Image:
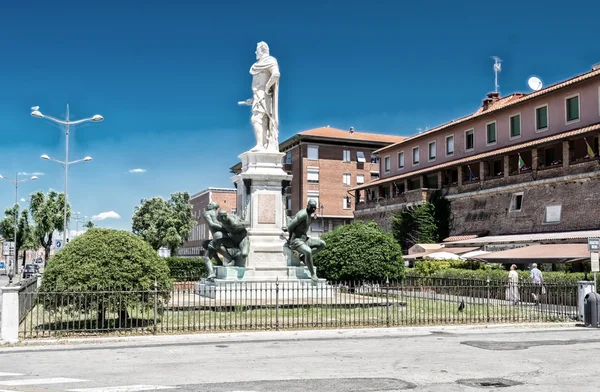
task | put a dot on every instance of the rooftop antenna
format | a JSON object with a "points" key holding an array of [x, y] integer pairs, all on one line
{"points": [[497, 69], [534, 83]]}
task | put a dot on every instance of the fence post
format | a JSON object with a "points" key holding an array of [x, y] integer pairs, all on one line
{"points": [[277, 304], [488, 299], [10, 314], [155, 287], [387, 301]]}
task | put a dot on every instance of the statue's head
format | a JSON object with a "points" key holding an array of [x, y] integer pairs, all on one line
{"points": [[311, 206], [262, 49], [222, 215], [212, 206]]}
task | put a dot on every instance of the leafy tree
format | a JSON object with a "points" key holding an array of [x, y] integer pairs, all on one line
{"points": [[118, 266], [47, 213], [165, 223], [359, 251], [24, 240], [415, 226], [89, 224]]}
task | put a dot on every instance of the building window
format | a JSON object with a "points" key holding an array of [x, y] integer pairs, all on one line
{"points": [[401, 160], [360, 179], [572, 109], [386, 162], [470, 140], [450, 145], [552, 214], [316, 226], [432, 151], [314, 195], [288, 158], [312, 175], [374, 176], [360, 157], [491, 132], [346, 203], [234, 211], [515, 126], [516, 202], [541, 118], [346, 155], [313, 153], [289, 203], [415, 153], [346, 179]]}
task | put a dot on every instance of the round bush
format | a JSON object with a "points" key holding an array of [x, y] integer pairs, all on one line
{"points": [[359, 251]]}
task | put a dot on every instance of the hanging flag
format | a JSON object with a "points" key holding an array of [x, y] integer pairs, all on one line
{"points": [[590, 150], [521, 163], [470, 173]]}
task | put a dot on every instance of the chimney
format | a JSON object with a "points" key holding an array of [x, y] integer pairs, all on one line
{"points": [[351, 129], [489, 99]]}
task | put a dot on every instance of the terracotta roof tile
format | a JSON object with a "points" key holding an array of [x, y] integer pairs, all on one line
{"points": [[510, 100], [328, 132], [484, 155]]}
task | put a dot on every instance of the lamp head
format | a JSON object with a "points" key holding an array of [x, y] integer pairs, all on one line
{"points": [[97, 117], [33, 178], [87, 159], [45, 156], [37, 113]]}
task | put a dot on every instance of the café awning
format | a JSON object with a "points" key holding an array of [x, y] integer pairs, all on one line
{"points": [[548, 253]]}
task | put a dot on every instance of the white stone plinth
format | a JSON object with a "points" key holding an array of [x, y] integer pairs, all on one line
{"points": [[267, 291], [10, 314]]}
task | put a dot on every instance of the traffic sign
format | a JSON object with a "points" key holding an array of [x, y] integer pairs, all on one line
{"points": [[2, 265], [594, 244], [58, 244], [595, 262]]}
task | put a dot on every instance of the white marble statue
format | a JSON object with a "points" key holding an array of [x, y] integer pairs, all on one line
{"points": [[264, 101]]}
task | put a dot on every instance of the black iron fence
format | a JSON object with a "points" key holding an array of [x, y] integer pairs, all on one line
{"points": [[191, 307], [26, 296]]}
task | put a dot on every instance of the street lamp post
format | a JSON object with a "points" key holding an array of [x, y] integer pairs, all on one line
{"points": [[14, 270], [77, 220], [96, 118]]}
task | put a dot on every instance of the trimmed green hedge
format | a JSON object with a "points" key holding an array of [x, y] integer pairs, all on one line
{"points": [[186, 268], [499, 275]]}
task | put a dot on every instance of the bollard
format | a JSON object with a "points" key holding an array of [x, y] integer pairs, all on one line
{"points": [[10, 314]]}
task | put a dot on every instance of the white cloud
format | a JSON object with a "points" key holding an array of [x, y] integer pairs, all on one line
{"points": [[22, 200], [138, 170], [106, 215], [31, 174], [75, 233]]}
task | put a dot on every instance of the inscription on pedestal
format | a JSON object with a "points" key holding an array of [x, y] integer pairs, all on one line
{"points": [[266, 209]]}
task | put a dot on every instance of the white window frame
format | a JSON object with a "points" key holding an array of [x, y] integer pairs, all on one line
{"points": [[313, 195], [513, 200], [578, 109], [510, 137], [314, 147], [429, 158], [487, 143], [401, 154], [346, 203], [387, 164], [547, 117], [312, 170], [546, 222], [360, 182], [412, 158], [446, 145], [358, 157], [465, 134], [348, 153], [347, 179]]}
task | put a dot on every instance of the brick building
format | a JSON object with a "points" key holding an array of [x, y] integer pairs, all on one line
{"points": [[227, 200], [524, 163], [326, 163]]}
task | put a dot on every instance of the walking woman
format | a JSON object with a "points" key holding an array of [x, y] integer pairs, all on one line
{"points": [[512, 291]]}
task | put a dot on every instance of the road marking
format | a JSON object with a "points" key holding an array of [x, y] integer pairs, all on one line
{"points": [[39, 381], [125, 388], [2, 374]]}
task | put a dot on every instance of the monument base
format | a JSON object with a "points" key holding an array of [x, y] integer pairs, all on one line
{"points": [[248, 284]]}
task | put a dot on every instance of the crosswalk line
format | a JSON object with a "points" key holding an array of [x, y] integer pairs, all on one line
{"points": [[3, 374], [39, 381], [124, 388]]}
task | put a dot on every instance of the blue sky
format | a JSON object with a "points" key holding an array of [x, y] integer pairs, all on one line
{"points": [[167, 75]]}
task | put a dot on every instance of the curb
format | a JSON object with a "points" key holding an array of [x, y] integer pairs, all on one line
{"points": [[263, 336]]}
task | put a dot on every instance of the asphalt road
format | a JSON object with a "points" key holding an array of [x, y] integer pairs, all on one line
{"points": [[377, 361]]}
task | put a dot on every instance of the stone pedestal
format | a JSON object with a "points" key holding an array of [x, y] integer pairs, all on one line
{"points": [[260, 201]]}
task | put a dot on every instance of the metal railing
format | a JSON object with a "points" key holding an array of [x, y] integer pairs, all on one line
{"points": [[283, 305], [27, 296]]}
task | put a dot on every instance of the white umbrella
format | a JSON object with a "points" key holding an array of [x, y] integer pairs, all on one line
{"points": [[443, 256], [474, 253]]}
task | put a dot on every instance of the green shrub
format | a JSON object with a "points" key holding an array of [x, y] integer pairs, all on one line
{"points": [[561, 278], [116, 265], [186, 268], [429, 267], [359, 251]]}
